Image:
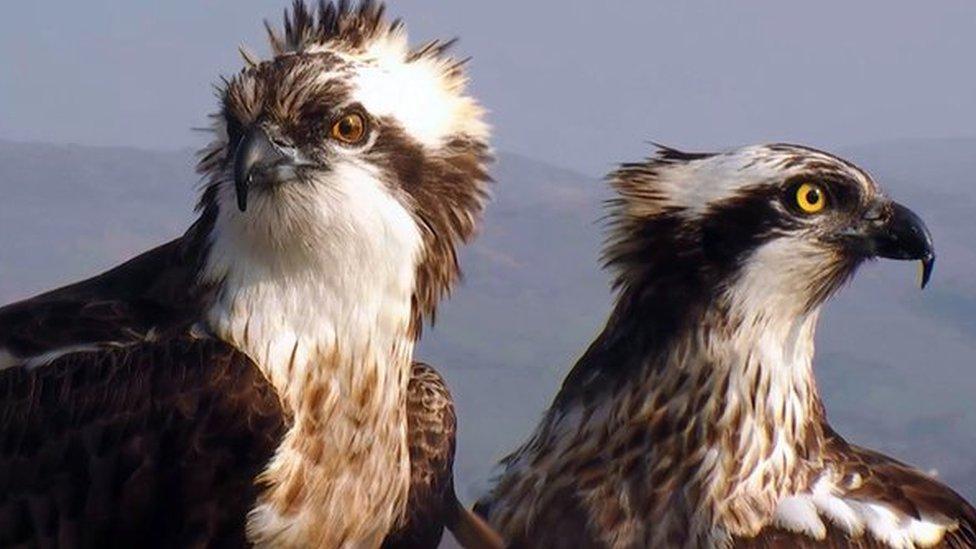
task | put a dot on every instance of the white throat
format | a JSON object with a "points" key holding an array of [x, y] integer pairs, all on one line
{"points": [[316, 283], [759, 349], [313, 269], [770, 405]]}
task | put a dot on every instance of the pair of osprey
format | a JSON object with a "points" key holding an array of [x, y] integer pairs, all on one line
{"points": [[253, 381]]}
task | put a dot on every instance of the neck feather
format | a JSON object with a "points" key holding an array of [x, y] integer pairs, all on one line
{"points": [[330, 326], [720, 406], [763, 411]]}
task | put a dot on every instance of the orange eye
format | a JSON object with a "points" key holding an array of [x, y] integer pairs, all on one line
{"points": [[811, 198], [350, 129]]}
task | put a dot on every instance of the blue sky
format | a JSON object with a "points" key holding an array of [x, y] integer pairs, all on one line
{"points": [[582, 84]]}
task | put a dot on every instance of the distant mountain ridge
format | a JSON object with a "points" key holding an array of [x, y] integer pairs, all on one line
{"points": [[895, 365]]}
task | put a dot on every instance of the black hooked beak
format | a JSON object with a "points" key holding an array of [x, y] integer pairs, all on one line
{"points": [[901, 234], [255, 153]]}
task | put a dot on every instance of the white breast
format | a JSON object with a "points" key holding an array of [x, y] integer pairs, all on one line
{"points": [[316, 287]]}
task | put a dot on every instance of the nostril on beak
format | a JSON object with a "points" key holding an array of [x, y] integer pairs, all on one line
{"points": [[280, 142], [875, 213]]}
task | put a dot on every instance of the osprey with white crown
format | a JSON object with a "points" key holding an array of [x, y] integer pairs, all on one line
{"points": [[252, 381], [694, 419]]}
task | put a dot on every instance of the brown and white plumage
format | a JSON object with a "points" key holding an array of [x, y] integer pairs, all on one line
{"points": [[98, 449], [694, 419], [253, 375], [432, 424], [869, 476]]}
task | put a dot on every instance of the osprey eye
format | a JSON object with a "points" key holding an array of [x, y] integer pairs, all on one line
{"points": [[811, 198], [349, 129]]}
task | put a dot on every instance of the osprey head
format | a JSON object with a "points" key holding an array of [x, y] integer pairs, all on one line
{"points": [[777, 224], [348, 137]]}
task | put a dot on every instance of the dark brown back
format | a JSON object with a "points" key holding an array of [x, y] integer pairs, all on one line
{"points": [[152, 445]]}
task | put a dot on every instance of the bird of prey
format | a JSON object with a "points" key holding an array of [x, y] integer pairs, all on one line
{"points": [[693, 419], [252, 381]]}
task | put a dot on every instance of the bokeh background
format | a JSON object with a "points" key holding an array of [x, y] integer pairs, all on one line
{"points": [[98, 98]]}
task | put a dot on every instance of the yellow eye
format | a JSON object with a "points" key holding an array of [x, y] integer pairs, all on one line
{"points": [[350, 129], [811, 198]]}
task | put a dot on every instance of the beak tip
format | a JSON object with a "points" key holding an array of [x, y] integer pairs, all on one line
{"points": [[926, 266], [242, 183]]}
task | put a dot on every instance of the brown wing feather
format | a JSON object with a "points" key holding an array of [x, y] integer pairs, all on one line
{"points": [[153, 445], [775, 538], [911, 491], [433, 504], [154, 291], [881, 479], [432, 428]]}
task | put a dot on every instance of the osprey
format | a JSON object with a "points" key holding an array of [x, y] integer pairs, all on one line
{"points": [[694, 420], [252, 381]]}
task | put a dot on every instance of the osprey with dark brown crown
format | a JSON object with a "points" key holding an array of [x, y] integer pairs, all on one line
{"points": [[694, 420], [252, 381]]}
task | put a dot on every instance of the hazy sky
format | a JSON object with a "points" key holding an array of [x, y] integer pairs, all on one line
{"points": [[578, 83]]}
